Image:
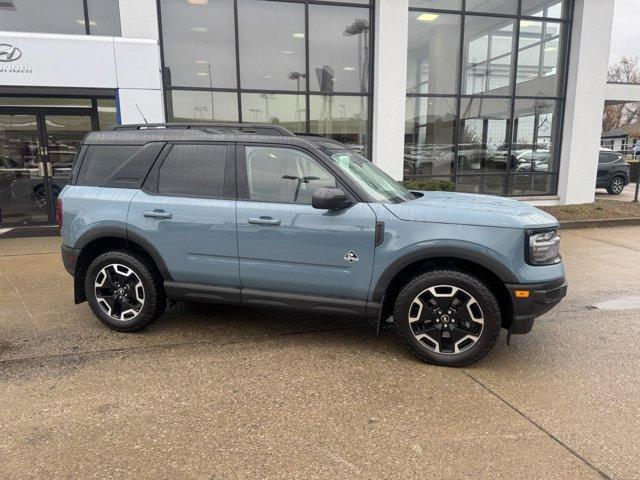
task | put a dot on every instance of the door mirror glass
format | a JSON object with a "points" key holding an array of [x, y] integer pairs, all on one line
{"points": [[328, 198]]}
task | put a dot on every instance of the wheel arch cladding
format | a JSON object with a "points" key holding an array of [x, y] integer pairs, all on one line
{"points": [[397, 275], [95, 244]]}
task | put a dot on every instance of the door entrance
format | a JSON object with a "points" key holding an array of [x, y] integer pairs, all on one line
{"points": [[37, 149]]}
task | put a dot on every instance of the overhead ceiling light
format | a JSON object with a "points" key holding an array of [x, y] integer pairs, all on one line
{"points": [[91, 22], [201, 74], [198, 2], [201, 62], [348, 69], [199, 29], [298, 35], [427, 17], [287, 52]]}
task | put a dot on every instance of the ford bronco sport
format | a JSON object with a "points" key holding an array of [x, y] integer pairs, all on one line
{"points": [[257, 216]]}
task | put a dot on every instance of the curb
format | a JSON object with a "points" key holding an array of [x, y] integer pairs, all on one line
{"points": [[609, 222]]}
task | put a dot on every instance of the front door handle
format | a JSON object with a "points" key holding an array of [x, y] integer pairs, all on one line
{"points": [[157, 214], [265, 221]]}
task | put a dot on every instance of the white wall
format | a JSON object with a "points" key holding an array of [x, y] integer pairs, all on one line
{"points": [[585, 100], [390, 78]]}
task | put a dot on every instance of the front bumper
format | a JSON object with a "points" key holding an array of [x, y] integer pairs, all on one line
{"points": [[541, 298], [70, 258]]}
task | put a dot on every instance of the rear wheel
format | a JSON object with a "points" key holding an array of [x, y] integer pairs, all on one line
{"points": [[124, 291], [616, 186], [447, 317]]}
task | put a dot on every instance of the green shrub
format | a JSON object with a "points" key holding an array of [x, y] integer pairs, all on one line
{"points": [[430, 184]]}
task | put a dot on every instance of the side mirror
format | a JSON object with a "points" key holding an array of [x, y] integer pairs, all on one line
{"points": [[329, 198]]}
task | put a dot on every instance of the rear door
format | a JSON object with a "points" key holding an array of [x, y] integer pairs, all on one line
{"points": [[186, 211], [605, 160], [288, 247]]}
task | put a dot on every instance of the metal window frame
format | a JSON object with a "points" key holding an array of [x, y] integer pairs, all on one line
{"points": [[558, 128], [307, 92]]}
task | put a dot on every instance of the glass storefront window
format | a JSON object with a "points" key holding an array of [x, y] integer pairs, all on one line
{"points": [[531, 184], [107, 114], [104, 17], [290, 111], [339, 49], [436, 4], [343, 118], [486, 184], [534, 144], [484, 135], [433, 52], [272, 44], [429, 137], [45, 102], [544, 8], [508, 7], [200, 49], [487, 55], [201, 106], [538, 59]]}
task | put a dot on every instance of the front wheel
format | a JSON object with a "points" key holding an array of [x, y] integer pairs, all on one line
{"points": [[616, 186], [447, 317], [124, 291]]}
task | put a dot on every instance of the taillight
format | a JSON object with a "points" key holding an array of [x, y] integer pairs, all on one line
{"points": [[59, 212]]}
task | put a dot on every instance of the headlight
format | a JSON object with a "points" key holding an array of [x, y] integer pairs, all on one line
{"points": [[543, 247]]}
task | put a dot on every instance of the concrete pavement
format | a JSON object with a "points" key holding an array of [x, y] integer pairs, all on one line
{"points": [[221, 392]]}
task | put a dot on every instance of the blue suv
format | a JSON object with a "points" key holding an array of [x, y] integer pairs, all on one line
{"points": [[257, 216]]}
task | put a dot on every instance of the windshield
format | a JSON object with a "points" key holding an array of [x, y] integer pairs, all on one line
{"points": [[380, 186]]}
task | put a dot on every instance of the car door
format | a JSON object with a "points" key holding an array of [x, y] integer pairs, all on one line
{"points": [[604, 167], [186, 212], [286, 247]]}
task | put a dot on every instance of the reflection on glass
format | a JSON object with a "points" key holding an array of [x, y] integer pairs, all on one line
{"points": [[201, 106], [531, 184], [534, 145], [493, 6], [272, 44], [342, 118], [338, 49], [19, 179], [538, 59], [104, 17], [433, 52], [278, 109], [487, 184], [199, 43], [439, 4], [543, 8], [484, 135], [106, 113], [429, 137], [487, 55], [35, 16]]}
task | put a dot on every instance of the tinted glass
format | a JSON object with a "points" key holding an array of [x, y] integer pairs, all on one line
{"points": [[104, 17], [272, 44], [488, 55], [544, 8], [433, 52], [440, 4], [188, 106], [493, 6], [199, 43], [532, 184], [538, 59], [279, 109], [342, 118], [36, 16], [429, 136], [284, 175], [101, 161], [339, 49], [106, 113], [486, 184], [534, 146], [194, 171], [483, 135]]}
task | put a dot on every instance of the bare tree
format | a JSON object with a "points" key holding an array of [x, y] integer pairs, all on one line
{"points": [[625, 70]]}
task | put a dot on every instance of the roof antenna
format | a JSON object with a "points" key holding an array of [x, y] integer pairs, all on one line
{"points": [[142, 114]]}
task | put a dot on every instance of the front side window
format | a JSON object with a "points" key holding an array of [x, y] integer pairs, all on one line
{"points": [[194, 171], [284, 175]]}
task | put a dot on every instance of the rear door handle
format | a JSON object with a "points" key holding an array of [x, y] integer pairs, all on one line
{"points": [[264, 221], [157, 214]]}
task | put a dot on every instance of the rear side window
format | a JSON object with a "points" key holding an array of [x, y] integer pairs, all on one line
{"points": [[194, 171], [101, 161]]}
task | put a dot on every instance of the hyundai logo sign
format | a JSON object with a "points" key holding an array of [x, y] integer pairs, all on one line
{"points": [[9, 53]]}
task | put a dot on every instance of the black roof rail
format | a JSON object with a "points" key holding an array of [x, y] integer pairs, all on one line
{"points": [[214, 127]]}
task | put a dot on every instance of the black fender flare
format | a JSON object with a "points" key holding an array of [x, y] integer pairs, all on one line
{"points": [[435, 252]]}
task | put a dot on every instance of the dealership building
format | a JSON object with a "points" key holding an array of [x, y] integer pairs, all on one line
{"points": [[500, 97]]}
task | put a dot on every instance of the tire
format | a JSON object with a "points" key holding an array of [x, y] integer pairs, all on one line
{"points": [[138, 288], [472, 325], [616, 185]]}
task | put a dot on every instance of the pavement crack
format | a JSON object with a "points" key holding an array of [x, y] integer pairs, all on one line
{"points": [[539, 427]]}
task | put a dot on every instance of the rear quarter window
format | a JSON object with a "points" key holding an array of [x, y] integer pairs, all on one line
{"points": [[100, 161]]}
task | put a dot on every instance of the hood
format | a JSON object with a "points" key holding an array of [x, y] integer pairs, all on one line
{"points": [[470, 209]]}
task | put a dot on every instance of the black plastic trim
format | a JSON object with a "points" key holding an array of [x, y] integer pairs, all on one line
{"points": [[70, 258], [379, 233], [304, 302], [202, 293], [543, 297]]}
